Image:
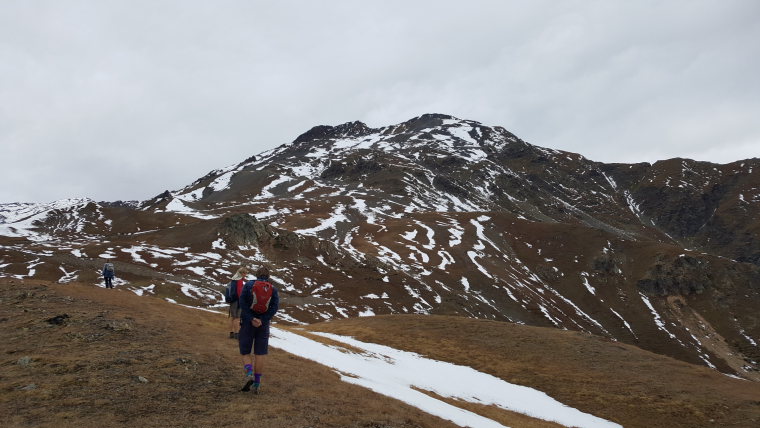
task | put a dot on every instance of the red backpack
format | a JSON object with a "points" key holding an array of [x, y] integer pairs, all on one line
{"points": [[262, 294], [233, 291]]}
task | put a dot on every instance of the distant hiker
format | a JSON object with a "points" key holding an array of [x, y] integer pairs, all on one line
{"points": [[231, 296], [108, 274], [259, 302]]}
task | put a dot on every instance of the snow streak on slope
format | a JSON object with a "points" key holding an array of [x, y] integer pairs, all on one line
{"points": [[20, 219], [400, 375]]}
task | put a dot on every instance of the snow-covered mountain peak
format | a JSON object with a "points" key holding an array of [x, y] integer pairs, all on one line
{"points": [[428, 135], [414, 152], [357, 129]]}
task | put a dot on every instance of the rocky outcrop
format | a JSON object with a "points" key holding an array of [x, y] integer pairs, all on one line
{"points": [[450, 186], [684, 275], [244, 229], [323, 132], [426, 121], [687, 275], [353, 169]]}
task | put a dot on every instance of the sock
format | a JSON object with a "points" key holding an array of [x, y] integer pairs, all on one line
{"points": [[248, 369], [257, 378]]}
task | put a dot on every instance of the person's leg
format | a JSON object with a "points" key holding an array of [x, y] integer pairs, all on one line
{"points": [[248, 361], [233, 325], [258, 373], [260, 350], [235, 321], [258, 364], [245, 341]]}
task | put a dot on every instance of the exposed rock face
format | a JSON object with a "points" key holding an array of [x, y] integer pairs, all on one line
{"points": [[682, 276], [243, 229], [350, 129], [686, 275], [699, 203], [437, 215]]}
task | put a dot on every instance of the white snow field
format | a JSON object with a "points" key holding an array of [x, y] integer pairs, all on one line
{"points": [[395, 373]]}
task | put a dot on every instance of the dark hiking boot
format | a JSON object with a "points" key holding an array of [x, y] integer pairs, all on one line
{"points": [[256, 388], [248, 382]]}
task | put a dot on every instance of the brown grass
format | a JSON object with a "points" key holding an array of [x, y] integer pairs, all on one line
{"points": [[87, 371], [615, 381]]}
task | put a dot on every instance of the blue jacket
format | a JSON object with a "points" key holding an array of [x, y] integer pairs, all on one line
{"points": [[107, 273], [246, 300]]}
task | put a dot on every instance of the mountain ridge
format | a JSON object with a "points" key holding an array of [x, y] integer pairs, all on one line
{"points": [[440, 215]]}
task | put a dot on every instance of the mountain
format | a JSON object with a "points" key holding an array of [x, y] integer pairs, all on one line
{"points": [[438, 215]]}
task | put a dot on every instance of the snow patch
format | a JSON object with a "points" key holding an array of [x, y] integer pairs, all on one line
{"points": [[396, 374]]}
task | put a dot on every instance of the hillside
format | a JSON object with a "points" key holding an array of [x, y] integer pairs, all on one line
{"points": [[85, 370], [439, 216]]}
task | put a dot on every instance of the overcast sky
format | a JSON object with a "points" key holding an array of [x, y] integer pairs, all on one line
{"points": [[123, 100]]}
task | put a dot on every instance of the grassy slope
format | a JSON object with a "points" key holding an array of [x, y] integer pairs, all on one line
{"points": [[86, 371], [618, 382]]}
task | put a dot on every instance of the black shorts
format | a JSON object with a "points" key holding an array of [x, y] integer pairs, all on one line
{"points": [[253, 337]]}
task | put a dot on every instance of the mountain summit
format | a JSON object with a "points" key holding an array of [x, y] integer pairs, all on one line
{"points": [[439, 215]]}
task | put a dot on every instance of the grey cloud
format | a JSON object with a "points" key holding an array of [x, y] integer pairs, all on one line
{"points": [[121, 100]]}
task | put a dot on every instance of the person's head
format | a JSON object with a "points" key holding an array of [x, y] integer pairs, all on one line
{"points": [[262, 272], [240, 273]]}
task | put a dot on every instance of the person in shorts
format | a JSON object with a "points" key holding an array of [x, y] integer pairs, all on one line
{"points": [[254, 326], [234, 314]]}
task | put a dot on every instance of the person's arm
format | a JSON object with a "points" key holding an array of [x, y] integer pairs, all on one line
{"points": [[246, 295]]}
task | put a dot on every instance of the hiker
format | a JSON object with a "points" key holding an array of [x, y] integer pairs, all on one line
{"points": [[108, 274], [233, 292], [259, 302]]}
